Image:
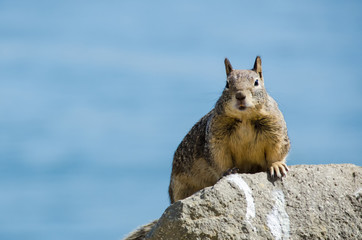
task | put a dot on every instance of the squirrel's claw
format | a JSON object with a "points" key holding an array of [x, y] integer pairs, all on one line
{"points": [[278, 168], [272, 172]]}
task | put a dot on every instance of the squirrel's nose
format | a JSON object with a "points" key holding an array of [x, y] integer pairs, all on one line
{"points": [[240, 96]]}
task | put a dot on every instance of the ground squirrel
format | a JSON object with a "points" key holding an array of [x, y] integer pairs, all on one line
{"points": [[244, 133]]}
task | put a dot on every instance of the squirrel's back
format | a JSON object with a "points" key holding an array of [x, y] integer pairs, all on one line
{"points": [[245, 133]]}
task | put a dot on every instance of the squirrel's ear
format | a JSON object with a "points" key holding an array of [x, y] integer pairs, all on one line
{"points": [[228, 67], [257, 66]]}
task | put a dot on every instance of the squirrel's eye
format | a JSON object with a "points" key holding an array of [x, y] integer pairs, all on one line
{"points": [[256, 83], [227, 84]]}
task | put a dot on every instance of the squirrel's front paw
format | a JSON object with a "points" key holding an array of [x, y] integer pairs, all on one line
{"points": [[279, 169]]}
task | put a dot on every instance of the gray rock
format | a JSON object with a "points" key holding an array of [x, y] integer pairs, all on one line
{"points": [[312, 202]]}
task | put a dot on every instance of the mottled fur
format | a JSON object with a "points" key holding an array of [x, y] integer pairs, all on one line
{"points": [[245, 130]]}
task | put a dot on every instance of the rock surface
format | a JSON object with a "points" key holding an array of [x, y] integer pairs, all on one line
{"points": [[312, 202]]}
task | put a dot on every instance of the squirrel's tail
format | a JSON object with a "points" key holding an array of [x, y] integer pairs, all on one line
{"points": [[141, 232]]}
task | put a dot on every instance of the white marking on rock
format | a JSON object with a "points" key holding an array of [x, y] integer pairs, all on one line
{"points": [[358, 193], [242, 185], [278, 219]]}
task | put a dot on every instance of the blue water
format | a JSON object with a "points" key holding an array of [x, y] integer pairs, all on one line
{"points": [[96, 95]]}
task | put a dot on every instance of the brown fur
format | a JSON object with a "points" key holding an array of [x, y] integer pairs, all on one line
{"points": [[245, 130]]}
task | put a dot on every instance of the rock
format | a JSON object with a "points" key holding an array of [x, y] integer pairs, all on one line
{"points": [[312, 202]]}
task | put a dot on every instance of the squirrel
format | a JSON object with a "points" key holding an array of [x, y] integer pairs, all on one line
{"points": [[244, 133]]}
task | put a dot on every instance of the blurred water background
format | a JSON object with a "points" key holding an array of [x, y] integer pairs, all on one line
{"points": [[95, 96]]}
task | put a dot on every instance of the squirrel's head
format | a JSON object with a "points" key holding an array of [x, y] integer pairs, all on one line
{"points": [[244, 91]]}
